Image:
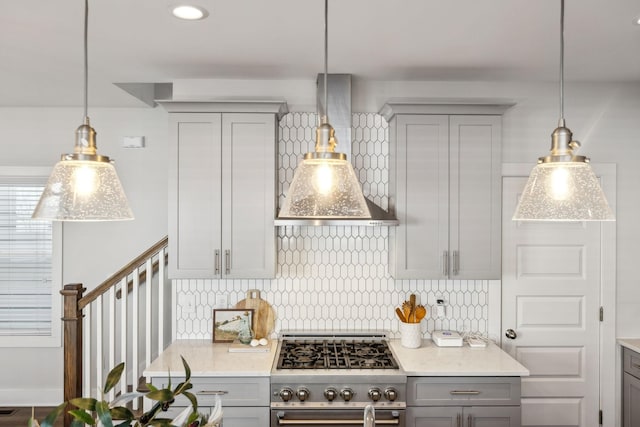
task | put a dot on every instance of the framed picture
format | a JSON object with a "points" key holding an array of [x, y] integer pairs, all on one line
{"points": [[227, 323]]}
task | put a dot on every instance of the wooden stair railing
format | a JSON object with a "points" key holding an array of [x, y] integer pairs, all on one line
{"points": [[78, 325]]}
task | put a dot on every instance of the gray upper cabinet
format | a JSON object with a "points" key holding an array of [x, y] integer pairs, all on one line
{"points": [[222, 192], [445, 189]]}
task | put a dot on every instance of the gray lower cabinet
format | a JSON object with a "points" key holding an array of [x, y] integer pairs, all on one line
{"points": [[245, 400], [631, 389], [463, 402]]}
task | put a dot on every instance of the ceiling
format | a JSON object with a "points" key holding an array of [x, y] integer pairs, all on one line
{"points": [[456, 40]]}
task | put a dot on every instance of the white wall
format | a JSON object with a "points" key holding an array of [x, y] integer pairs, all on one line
{"points": [[605, 118]]}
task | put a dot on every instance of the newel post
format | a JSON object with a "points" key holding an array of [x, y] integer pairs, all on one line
{"points": [[72, 326]]}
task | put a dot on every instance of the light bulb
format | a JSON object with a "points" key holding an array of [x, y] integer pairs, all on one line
{"points": [[324, 180], [561, 184], [84, 180]]}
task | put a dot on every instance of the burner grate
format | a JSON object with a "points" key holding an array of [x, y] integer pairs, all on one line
{"points": [[335, 354]]}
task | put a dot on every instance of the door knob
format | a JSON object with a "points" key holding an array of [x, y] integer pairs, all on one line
{"points": [[511, 334]]}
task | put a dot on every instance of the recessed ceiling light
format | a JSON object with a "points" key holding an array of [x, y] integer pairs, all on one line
{"points": [[637, 20], [189, 12]]}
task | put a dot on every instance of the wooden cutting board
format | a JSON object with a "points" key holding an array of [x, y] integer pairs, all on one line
{"points": [[264, 316]]}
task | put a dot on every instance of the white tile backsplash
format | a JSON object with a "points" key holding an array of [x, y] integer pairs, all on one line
{"points": [[336, 277]]}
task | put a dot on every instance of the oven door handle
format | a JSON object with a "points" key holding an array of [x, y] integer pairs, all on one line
{"points": [[302, 422]]}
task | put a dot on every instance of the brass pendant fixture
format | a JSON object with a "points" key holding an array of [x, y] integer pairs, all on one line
{"points": [[83, 185], [325, 184], [562, 186]]}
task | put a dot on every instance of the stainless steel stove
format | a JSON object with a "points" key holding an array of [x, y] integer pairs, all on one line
{"points": [[328, 378]]}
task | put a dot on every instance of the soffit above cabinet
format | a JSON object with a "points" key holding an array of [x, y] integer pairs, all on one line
{"points": [[274, 106], [445, 106]]}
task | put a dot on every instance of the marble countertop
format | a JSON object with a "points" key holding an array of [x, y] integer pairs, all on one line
{"points": [[431, 360], [630, 343], [207, 359]]}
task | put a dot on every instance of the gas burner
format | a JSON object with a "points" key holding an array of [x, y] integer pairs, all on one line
{"points": [[335, 354]]}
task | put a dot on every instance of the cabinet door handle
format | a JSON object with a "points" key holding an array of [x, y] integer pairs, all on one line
{"points": [[458, 420], [445, 263], [212, 392], [227, 261], [456, 262], [469, 421], [217, 261], [464, 392]]}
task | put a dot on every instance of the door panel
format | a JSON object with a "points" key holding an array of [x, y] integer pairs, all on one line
{"points": [[248, 201], [551, 298], [194, 194]]}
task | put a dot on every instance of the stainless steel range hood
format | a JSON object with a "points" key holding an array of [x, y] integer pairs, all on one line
{"points": [[339, 112]]}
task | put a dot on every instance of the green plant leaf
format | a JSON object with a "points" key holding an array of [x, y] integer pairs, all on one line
{"points": [[76, 423], [121, 413], [88, 403], [163, 395], [192, 398], [53, 415], [113, 378], [102, 409], [151, 387], [160, 422], [187, 369], [82, 416], [125, 424]]}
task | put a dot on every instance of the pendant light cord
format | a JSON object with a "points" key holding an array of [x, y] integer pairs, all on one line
{"points": [[325, 119], [561, 121], [86, 61]]}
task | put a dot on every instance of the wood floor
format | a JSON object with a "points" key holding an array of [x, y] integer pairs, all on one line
{"points": [[19, 416]]}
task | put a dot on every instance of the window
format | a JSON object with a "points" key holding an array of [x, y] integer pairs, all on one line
{"points": [[29, 263]]}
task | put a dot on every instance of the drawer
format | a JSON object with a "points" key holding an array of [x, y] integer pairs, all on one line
{"points": [[632, 362], [237, 391], [463, 391], [233, 416]]}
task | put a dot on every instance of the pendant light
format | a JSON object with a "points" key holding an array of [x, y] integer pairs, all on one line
{"points": [[562, 186], [325, 184], [84, 185]]}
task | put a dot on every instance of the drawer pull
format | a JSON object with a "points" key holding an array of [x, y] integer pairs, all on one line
{"points": [[635, 366], [213, 392], [464, 392]]}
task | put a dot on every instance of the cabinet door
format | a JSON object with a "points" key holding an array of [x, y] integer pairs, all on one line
{"points": [[491, 416], [418, 246], [194, 194], [475, 197], [434, 416], [248, 195], [631, 401]]}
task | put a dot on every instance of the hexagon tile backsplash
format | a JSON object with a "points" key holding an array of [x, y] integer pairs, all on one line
{"points": [[335, 278]]}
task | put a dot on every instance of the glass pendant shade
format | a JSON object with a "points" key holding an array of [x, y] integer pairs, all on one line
{"points": [[563, 191], [83, 190], [325, 188]]}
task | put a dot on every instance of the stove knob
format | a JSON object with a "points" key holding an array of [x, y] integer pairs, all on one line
{"points": [[286, 394], [303, 394], [375, 394], [391, 394], [347, 394], [330, 394]]}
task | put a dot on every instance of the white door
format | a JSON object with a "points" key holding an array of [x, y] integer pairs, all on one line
{"points": [[551, 300]]}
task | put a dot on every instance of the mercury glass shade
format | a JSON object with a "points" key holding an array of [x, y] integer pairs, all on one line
{"points": [[82, 190], [563, 191], [325, 188]]}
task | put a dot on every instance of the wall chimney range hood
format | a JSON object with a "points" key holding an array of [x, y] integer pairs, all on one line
{"points": [[339, 110]]}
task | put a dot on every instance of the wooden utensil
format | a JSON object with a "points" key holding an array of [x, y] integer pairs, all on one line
{"points": [[264, 316], [412, 302], [420, 313], [401, 316], [406, 309]]}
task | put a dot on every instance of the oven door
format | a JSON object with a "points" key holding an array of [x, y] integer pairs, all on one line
{"points": [[334, 417]]}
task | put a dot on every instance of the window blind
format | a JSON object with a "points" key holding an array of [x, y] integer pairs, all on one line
{"points": [[26, 249]]}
